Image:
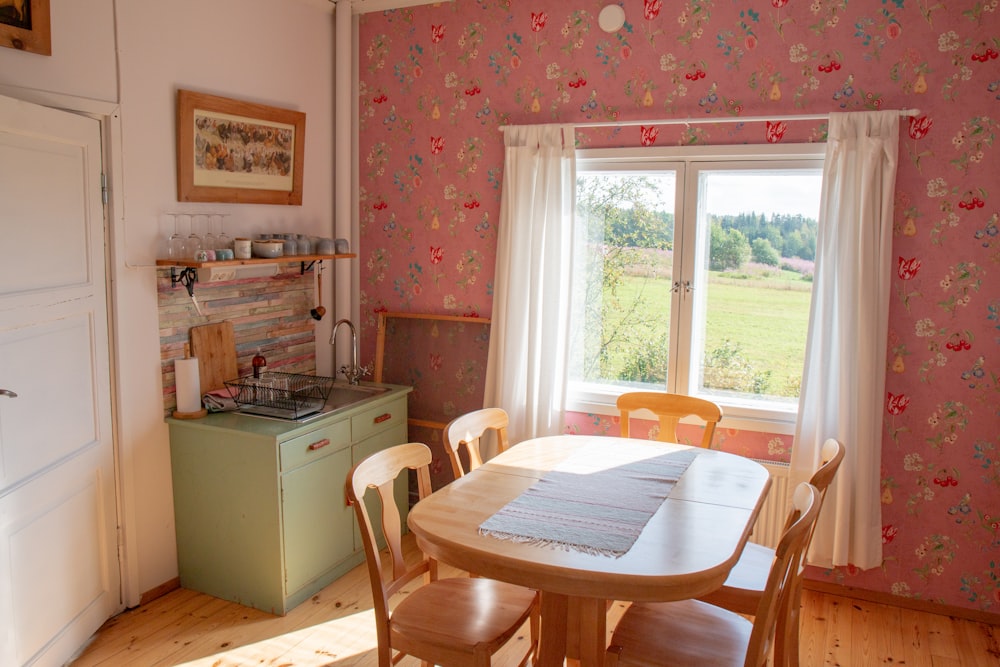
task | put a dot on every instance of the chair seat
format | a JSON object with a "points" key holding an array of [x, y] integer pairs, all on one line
{"points": [[746, 581], [451, 617], [687, 632]]}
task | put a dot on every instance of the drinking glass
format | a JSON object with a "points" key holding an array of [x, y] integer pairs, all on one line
{"points": [[211, 240], [196, 237], [176, 242], [184, 227], [223, 240]]}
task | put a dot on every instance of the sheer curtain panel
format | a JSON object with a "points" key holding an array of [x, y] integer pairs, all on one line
{"points": [[843, 382], [526, 368]]}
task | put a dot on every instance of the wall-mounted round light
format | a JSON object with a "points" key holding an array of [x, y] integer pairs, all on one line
{"points": [[611, 18]]}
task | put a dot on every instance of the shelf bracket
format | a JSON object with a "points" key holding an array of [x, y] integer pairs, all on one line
{"points": [[186, 276], [304, 266]]}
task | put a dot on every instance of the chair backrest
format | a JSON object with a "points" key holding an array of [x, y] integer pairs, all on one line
{"points": [[670, 409], [380, 472], [467, 430], [830, 457], [786, 570]]}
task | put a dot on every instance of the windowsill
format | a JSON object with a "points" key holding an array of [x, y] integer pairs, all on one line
{"points": [[599, 400]]}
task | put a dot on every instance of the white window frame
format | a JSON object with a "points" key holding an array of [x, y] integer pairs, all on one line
{"points": [[593, 398]]}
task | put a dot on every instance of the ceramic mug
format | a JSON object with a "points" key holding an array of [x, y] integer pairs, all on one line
{"points": [[242, 248], [325, 246]]}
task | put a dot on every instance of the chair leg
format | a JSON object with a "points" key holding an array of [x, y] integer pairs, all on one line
{"points": [[786, 645], [534, 628]]}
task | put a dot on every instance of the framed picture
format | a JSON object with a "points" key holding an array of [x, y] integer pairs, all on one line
{"points": [[238, 152], [24, 25]]}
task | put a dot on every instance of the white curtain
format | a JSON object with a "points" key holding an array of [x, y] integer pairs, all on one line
{"points": [[526, 369], [843, 384]]}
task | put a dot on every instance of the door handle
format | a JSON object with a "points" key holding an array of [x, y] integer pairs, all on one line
{"points": [[8, 393]]}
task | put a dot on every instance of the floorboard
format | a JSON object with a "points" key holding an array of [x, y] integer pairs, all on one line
{"points": [[335, 628]]}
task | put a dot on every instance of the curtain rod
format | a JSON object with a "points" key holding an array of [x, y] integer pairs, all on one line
{"points": [[697, 121]]}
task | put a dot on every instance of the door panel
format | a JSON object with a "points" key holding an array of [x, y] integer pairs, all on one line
{"points": [[64, 395], [59, 569], [56, 550], [59, 258]]}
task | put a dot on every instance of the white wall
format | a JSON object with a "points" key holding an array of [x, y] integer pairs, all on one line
{"points": [[137, 53]]}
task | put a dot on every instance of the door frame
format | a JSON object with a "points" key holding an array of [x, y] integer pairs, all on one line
{"points": [[108, 114]]}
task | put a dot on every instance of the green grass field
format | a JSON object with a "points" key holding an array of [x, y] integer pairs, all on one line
{"points": [[767, 318]]}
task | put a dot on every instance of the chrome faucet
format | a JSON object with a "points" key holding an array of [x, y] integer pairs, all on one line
{"points": [[353, 372]]}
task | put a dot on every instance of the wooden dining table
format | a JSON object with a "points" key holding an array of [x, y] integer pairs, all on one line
{"points": [[685, 550]]}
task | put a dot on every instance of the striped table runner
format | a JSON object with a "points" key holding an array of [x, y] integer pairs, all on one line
{"points": [[599, 511]]}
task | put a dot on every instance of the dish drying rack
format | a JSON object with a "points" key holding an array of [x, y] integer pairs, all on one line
{"points": [[281, 395]]}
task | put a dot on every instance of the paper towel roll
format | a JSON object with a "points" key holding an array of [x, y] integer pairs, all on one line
{"points": [[188, 385]]}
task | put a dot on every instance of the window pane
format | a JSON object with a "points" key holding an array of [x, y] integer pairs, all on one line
{"points": [[757, 247], [622, 276]]}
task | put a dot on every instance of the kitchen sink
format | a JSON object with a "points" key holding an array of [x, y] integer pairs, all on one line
{"points": [[342, 395]]}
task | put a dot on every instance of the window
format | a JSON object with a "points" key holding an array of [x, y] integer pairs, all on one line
{"points": [[693, 274]]}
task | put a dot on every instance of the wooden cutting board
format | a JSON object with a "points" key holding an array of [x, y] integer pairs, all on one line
{"points": [[215, 347]]}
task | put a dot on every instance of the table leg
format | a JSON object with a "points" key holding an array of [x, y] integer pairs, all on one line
{"points": [[573, 630], [591, 628], [552, 642]]}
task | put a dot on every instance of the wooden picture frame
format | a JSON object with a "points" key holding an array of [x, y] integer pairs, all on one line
{"points": [[25, 25], [238, 152]]}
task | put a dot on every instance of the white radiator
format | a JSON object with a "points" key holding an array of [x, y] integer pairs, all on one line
{"points": [[767, 530]]}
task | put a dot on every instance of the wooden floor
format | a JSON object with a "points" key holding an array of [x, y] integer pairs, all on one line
{"points": [[336, 628]]}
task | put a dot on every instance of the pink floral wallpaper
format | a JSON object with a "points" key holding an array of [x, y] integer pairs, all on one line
{"points": [[438, 80]]}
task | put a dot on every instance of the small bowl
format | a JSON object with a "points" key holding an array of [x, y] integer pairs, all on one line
{"points": [[268, 249]]}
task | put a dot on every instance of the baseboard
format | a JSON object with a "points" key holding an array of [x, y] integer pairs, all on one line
{"points": [[159, 591], [990, 618]]}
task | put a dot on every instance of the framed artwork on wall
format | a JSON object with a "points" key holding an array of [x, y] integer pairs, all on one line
{"points": [[25, 26], [238, 152]]}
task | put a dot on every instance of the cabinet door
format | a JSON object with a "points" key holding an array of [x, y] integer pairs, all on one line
{"points": [[317, 521]]}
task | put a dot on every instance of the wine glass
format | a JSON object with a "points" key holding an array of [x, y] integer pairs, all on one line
{"points": [[183, 222], [223, 240], [194, 240], [176, 243], [211, 240]]}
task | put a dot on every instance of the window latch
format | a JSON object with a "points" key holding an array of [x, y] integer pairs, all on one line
{"points": [[678, 285]]}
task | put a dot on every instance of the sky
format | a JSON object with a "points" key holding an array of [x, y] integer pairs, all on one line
{"points": [[731, 192], [735, 192]]}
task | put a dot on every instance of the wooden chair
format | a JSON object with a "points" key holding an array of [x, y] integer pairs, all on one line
{"points": [[670, 408], [747, 581], [695, 633], [467, 430], [460, 621]]}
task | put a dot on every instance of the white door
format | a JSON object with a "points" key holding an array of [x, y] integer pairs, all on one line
{"points": [[59, 572]]}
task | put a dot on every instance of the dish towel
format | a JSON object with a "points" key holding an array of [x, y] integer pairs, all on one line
{"points": [[219, 400], [599, 511]]}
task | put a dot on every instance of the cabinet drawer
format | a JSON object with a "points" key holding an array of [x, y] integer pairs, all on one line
{"points": [[314, 445], [378, 419]]}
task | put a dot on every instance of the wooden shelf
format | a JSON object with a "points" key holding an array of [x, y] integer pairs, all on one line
{"points": [[284, 259], [185, 271]]}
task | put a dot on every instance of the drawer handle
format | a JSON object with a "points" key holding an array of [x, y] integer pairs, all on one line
{"points": [[319, 444], [386, 416]]}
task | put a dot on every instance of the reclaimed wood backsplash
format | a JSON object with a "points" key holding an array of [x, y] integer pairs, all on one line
{"points": [[268, 314]]}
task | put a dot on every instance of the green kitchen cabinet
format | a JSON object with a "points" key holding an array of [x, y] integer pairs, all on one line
{"points": [[260, 508]]}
